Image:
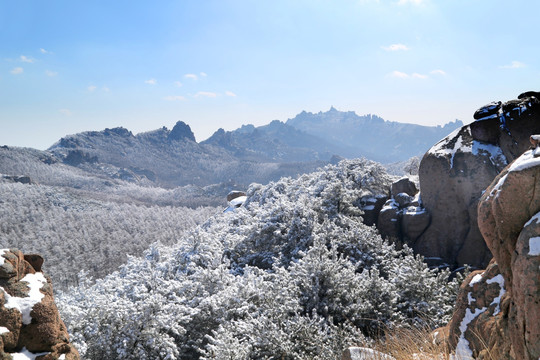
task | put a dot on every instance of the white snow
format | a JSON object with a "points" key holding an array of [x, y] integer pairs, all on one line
{"points": [[238, 201], [369, 207], [27, 355], [476, 278], [363, 353], [3, 330], [497, 186], [2, 259], [495, 153], [470, 298], [414, 210], [499, 280], [525, 161], [534, 246], [25, 305], [439, 149], [62, 357], [535, 218], [463, 351]]}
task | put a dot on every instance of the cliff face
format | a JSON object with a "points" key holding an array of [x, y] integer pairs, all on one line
{"points": [[29, 321], [498, 309], [454, 173]]}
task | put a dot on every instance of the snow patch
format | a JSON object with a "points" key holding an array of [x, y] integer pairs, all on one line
{"points": [[368, 207], [497, 186], [470, 298], [414, 210], [26, 355], [463, 351], [26, 304], [476, 278], [439, 149], [534, 246], [499, 280], [2, 259], [3, 330], [525, 161], [535, 218], [496, 156]]}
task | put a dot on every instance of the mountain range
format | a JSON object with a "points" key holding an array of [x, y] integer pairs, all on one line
{"points": [[172, 158]]}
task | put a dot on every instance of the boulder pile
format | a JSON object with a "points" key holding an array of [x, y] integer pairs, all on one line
{"points": [[30, 326]]}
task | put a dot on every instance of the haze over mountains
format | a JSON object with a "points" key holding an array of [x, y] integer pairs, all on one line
{"points": [[172, 158]]}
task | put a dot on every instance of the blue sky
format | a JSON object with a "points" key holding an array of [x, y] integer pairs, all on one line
{"points": [[71, 66]]}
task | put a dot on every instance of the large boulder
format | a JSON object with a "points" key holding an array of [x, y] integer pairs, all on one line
{"points": [[29, 320], [498, 310], [455, 171]]}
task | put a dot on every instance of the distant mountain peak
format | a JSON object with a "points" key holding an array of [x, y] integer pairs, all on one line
{"points": [[181, 131]]}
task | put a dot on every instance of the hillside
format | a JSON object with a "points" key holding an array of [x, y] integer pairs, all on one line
{"points": [[170, 158], [292, 274], [371, 136], [276, 141]]}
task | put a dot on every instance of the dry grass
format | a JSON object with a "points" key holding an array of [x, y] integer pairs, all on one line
{"points": [[417, 344], [413, 343]]}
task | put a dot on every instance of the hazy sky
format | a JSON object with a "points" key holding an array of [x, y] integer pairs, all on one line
{"points": [[71, 66]]}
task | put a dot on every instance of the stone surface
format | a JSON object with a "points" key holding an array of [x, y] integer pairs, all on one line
{"points": [[372, 206], [498, 310], [454, 173], [39, 328], [389, 221], [414, 222], [404, 185]]}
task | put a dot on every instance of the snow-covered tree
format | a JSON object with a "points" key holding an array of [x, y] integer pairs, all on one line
{"points": [[292, 274]]}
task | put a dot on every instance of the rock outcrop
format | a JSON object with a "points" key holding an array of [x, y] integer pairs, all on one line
{"points": [[498, 310], [400, 218], [454, 173], [29, 321]]}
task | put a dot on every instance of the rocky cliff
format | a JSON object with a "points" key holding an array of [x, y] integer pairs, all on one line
{"points": [[454, 173], [498, 309], [30, 326]]}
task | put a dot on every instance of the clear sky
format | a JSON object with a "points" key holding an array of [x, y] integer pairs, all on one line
{"points": [[72, 66]]}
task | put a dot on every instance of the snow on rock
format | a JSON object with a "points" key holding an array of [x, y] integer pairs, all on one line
{"points": [[496, 155], [535, 219], [235, 203], [2, 259], [30, 318], [463, 351], [497, 301], [534, 245], [525, 161], [24, 354], [26, 304], [449, 146], [476, 279]]}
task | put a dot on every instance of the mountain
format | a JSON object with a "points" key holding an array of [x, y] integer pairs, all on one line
{"points": [[171, 158], [276, 141], [371, 136]]}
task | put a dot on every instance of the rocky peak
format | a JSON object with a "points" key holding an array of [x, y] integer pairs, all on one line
{"points": [[181, 131]]}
